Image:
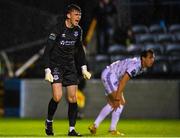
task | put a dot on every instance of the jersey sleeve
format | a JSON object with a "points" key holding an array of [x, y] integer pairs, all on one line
{"points": [[51, 41], [80, 57], [48, 48]]}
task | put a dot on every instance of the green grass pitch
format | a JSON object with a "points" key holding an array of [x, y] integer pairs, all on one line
{"points": [[131, 128]]}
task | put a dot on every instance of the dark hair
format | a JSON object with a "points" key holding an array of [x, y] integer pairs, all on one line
{"points": [[145, 52], [72, 7]]}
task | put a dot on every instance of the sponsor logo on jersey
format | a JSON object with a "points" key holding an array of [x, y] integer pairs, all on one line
{"points": [[67, 43], [76, 33]]}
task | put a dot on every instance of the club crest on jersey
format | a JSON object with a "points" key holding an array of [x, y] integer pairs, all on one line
{"points": [[76, 33]]}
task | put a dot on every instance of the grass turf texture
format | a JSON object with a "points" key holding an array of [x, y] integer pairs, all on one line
{"points": [[131, 128]]}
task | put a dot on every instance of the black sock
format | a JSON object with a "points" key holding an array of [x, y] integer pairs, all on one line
{"points": [[51, 109], [72, 113]]}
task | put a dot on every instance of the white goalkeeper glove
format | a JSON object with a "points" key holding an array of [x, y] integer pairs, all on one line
{"points": [[48, 75], [86, 74]]}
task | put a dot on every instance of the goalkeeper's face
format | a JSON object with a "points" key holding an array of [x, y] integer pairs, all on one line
{"points": [[74, 17]]}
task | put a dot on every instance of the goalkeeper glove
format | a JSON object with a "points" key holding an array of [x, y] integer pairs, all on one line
{"points": [[48, 75], [86, 74]]}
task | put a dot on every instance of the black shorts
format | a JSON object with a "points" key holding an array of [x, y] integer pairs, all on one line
{"points": [[67, 75]]}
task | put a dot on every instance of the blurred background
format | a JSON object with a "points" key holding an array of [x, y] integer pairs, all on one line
{"points": [[112, 30]]}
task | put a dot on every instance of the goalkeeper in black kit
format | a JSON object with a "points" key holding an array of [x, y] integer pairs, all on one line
{"points": [[65, 61]]}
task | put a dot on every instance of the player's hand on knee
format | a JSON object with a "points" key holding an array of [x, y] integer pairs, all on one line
{"points": [[118, 101], [116, 104], [86, 74], [48, 75]]}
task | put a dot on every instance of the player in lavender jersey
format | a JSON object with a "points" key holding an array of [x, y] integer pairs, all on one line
{"points": [[115, 78]]}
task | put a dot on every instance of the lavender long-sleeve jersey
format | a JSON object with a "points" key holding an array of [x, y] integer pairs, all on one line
{"points": [[114, 72], [132, 66]]}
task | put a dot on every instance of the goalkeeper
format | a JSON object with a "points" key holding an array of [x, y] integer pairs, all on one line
{"points": [[65, 61]]}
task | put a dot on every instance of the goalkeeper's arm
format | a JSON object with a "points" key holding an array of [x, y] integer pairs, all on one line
{"points": [[80, 59], [48, 48], [46, 56]]}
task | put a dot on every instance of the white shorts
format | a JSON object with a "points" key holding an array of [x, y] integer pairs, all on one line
{"points": [[110, 81]]}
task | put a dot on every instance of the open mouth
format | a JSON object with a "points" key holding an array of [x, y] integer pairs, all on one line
{"points": [[76, 22]]}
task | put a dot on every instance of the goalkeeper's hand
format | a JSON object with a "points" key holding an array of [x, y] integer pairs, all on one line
{"points": [[86, 74], [48, 75]]}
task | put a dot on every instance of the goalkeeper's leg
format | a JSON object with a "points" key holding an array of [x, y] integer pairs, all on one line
{"points": [[72, 109], [57, 94]]}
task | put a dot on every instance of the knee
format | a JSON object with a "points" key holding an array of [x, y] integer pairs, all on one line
{"points": [[72, 99], [57, 98], [119, 109]]}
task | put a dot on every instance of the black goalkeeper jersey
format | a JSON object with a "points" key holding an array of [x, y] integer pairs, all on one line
{"points": [[64, 47]]}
